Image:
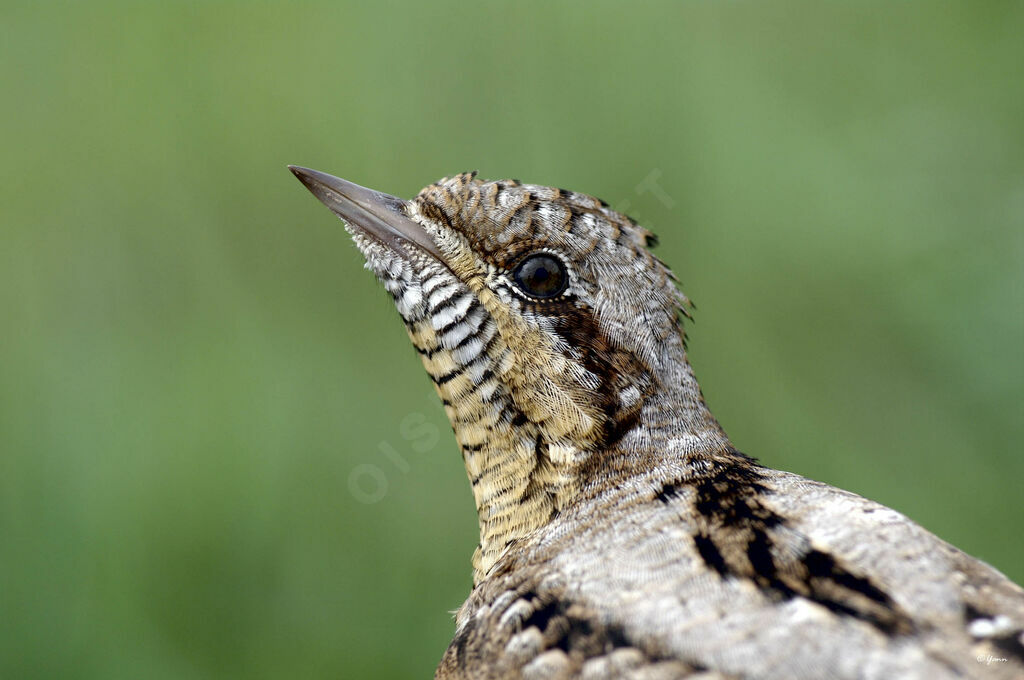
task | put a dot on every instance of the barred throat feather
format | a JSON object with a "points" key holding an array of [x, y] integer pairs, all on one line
{"points": [[520, 469]]}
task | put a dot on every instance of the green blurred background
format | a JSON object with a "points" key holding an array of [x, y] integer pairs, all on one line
{"points": [[195, 369]]}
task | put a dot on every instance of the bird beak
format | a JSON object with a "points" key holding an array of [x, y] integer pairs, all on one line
{"points": [[379, 216]]}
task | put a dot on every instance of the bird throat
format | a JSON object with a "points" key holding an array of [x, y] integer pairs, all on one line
{"points": [[528, 429], [524, 430]]}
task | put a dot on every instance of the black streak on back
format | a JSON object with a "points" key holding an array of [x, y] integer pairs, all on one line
{"points": [[731, 513]]}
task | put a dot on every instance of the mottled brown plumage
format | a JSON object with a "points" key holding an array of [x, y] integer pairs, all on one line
{"points": [[621, 534]]}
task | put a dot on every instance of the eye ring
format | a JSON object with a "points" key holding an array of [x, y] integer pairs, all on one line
{"points": [[541, 275]]}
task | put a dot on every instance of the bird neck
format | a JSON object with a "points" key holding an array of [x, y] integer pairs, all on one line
{"points": [[675, 421], [523, 476]]}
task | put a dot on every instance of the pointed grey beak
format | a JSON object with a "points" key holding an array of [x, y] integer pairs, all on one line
{"points": [[378, 215]]}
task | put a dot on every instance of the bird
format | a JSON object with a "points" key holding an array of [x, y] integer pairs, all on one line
{"points": [[622, 535]]}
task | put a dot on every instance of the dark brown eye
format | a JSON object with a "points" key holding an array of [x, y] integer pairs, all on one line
{"points": [[541, 275]]}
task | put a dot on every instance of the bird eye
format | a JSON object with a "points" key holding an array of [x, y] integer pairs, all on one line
{"points": [[541, 275]]}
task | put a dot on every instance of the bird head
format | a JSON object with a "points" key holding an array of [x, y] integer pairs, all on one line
{"points": [[545, 323]]}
